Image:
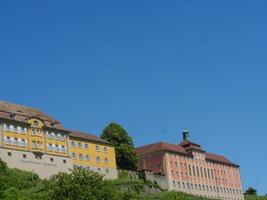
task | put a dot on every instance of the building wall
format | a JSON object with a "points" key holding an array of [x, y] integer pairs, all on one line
{"points": [[153, 162], [45, 166], [33, 148], [32, 137], [94, 156], [200, 177]]}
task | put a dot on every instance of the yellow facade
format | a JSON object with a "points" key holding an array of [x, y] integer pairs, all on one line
{"points": [[31, 136], [88, 153]]}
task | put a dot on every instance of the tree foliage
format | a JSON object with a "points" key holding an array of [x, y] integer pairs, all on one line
{"points": [[80, 184], [251, 191], [124, 147]]}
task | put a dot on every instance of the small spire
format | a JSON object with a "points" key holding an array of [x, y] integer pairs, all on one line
{"points": [[185, 134]]}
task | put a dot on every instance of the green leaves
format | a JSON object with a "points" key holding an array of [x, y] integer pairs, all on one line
{"points": [[126, 157]]}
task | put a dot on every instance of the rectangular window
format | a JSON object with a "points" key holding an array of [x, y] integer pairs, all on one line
{"points": [[86, 146], [80, 156], [73, 155], [73, 143], [189, 166], [194, 172], [105, 149], [97, 148]]}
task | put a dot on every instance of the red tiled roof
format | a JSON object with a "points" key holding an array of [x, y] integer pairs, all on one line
{"points": [[160, 146], [87, 136], [22, 113], [179, 148], [218, 158]]}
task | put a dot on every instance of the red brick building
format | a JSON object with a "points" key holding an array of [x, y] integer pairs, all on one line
{"points": [[191, 169]]}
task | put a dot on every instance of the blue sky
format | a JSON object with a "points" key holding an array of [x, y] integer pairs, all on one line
{"points": [[155, 67]]}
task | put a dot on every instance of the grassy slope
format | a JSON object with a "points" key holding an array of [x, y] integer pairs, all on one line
{"points": [[248, 197]]}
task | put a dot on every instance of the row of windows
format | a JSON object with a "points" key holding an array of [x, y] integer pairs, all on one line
{"points": [[34, 131], [199, 171], [37, 157], [56, 147], [87, 157], [15, 128], [86, 146], [15, 141], [53, 135], [206, 188]]}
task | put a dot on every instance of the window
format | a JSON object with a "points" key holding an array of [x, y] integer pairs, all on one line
{"points": [[97, 148], [87, 157], [98, 159], [189, 166], [79, 144], [73, 143], [64, 161], [9, 153], [80, 156], [86, 146], [52, 159], [24, 156], [106, 160], [63, 148], [35, 123], [73, 155], [107, 171], [105, 149], [16, 141]]}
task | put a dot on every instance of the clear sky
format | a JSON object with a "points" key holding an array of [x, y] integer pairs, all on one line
{"points": [[154, 67]]}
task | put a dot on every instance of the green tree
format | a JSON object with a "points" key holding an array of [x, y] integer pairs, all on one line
{"points": [[12, 194], [251, 191], [124, 147], [80, 184]]}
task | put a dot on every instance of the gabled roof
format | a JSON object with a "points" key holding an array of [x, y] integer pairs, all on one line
{"points": [[87, 136], [23, 113], [160, 146], [181, 149]]}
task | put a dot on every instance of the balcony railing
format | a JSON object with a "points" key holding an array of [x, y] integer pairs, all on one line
{"points": [[56, 149], [16, 143], [55, 137], [15, 130]]}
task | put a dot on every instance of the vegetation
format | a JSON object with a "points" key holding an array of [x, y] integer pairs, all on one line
{"points": [[253, 197], [124, 147], [80, 184], [251, 191]]}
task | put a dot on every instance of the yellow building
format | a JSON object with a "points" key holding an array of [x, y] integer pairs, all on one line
{"points": [[31, 140], [93, 153]]}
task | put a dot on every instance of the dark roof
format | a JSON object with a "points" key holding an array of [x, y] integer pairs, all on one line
{"points": [[182, 149], [87, 136], [23, 113]]}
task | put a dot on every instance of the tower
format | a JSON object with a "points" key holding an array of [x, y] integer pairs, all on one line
{"points": [[185, 134]]}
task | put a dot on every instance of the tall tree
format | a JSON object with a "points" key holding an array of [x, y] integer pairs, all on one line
{"points": [[124, 147]]}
